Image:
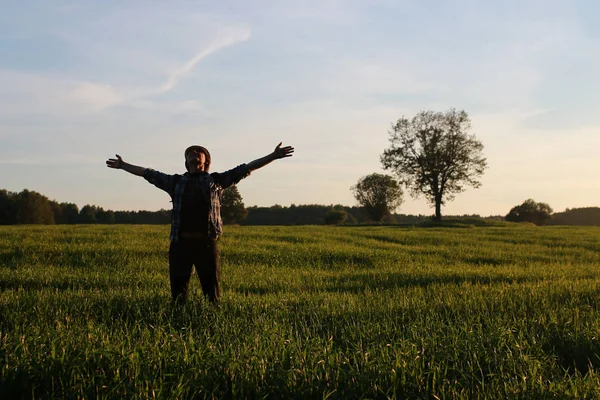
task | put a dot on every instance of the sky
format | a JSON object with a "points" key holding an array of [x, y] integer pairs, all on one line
{"points": [[82, 81]]}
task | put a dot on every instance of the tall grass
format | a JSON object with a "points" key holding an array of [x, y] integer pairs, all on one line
{"points": [[307, 312]]}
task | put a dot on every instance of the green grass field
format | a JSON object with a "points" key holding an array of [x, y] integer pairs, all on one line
{"points": [[307, 312]]}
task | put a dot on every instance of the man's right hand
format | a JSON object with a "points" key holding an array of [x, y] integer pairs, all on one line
{"points": [[118, 163], [115, 162]]}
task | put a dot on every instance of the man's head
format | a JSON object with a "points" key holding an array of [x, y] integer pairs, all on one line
{"points": [[197, 159]]}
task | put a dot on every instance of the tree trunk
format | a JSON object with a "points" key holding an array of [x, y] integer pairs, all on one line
{"points": [[438, 208]]}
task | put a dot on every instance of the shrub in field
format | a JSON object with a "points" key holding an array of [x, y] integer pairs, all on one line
{"points": [[233, 210], [379, 194], [530, 211], [335, 217]]}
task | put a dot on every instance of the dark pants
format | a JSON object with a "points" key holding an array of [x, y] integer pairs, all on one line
{"points": [[204, 255]]}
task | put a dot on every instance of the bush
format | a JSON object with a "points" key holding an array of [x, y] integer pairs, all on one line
{"points": [[335, 217], [530, 211]]}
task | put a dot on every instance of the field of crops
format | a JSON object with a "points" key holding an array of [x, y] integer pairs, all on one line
{"points": [[307, 312]]}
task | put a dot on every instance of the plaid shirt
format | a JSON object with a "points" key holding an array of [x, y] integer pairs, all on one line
{"points": [[211, 185]]}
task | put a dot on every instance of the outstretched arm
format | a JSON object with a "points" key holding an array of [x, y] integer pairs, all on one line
{"points": [[279, 152], [118, 163]]}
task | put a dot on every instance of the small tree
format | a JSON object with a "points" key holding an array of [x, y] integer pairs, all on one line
{"points": [[379, 194], [233, 210], [70, 213], [105, 216], [433, 155], [530, 211], [87, 214], [335, 217], [33, 208], [8, 206]]}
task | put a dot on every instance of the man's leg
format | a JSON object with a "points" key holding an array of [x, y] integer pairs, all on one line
{"points": [[180, 270], [208, 269]]}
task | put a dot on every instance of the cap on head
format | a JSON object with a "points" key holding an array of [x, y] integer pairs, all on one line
{"points": [[202, 150]]}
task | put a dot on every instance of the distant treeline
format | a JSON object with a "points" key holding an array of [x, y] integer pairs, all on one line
{"points": [[589, 216], [29, 207]]}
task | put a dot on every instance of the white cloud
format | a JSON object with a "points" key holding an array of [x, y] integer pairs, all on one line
{"points": [[95, 97], [49, 160], [27, 93], [38, 94]]}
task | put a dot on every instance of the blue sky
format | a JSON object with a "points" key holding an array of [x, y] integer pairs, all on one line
{"points": [[82, 81]]}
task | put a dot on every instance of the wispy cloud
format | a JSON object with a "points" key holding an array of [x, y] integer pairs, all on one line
{"points": [[103, 96], [39, 93], [226, 40]]}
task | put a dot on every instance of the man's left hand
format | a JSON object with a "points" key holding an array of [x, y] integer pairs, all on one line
{"points": [[282, 152]]}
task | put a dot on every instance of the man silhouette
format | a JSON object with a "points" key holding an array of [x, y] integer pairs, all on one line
{"points": [[196, 219]]}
